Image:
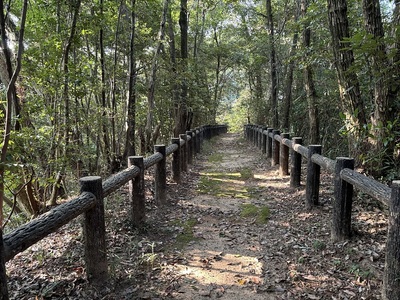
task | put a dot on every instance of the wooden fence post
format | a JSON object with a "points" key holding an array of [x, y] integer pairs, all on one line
{"points": [[198, 141], [160, 177], [190, 146], [201, 136], [275, 149], [184, 155], [94, 231], [255, 135], [391, 282], [260, 134], [194, 142], [343, 200], [269, 143], [3, 273], [176, 161], [313, 172], [284, 157], [295, 169], [264, 140], [137, 192]]}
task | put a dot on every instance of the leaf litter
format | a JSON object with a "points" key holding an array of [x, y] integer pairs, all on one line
{"points": [[202, 245]]}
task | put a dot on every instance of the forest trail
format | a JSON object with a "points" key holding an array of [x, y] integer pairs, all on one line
{"points": [[227, 257], [233, 229]]}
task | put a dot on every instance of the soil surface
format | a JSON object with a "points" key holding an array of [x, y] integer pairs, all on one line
{"points": [[233, 229]]}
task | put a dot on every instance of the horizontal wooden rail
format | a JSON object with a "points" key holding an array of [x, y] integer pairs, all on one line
{"points": [[324, 162], [368, 185], [115, 181], [171, 149], [30, 233]]}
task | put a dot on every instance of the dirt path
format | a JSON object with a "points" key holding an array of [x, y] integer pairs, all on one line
{"points": [[234, 229], [227, 259]]}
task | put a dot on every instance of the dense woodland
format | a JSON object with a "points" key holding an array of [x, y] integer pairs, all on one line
{"points": [[87, 83]]}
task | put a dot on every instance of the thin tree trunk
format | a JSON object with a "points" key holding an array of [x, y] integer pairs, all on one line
{"points": [[67, 121], [181, 110], [217, 77], [174, 65], [106, 138], [131, 109], [7, 128], [312, 98], [273, 71], [287, 99], [115, 151], [153, 79]]}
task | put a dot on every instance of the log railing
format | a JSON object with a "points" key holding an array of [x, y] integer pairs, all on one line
{"points": [[278, 147], [90, 202]]}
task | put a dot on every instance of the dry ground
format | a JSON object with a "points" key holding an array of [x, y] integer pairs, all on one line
{"points": [[233, 230]]}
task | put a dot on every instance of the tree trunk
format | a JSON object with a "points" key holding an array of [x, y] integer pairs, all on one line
{"points": [[287, 99], [115, 149], [67, 49], [312, 98], [131, 109], [349, 87], [273, 71], [386, 87], [153, 79], [105, 125], [181, 110], [174, 65], [10, 93]]}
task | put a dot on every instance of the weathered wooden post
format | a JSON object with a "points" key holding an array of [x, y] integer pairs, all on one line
{"points": [[257, 141], [189, 137], [94, 231], [194, 142], [313, 174], [160, 177], [264, 140], [391, 282], [198, 141], [269, 142], [137, 192], [201, 137], [284, 157], [254, 135], [343, 200], [184, 155], [176, 161], [3, 273], [275, 149], [295, 168], [260, 139]]}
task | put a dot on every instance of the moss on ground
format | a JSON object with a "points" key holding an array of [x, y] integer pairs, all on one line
{"points": [[261, 214], [186, 235]]}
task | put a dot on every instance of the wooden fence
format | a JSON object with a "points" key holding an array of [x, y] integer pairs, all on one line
{"points": [[90, 202], [278, 146]]}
